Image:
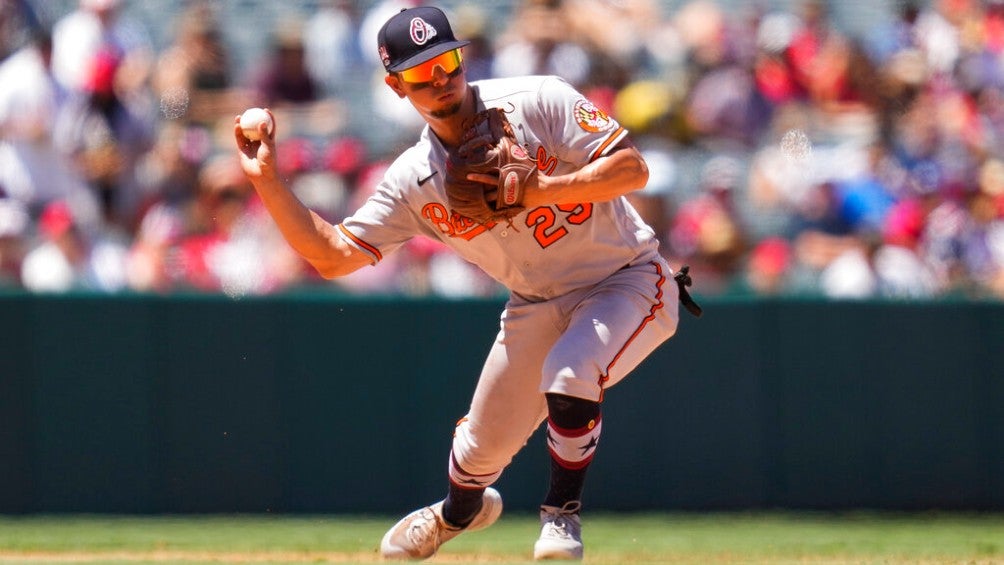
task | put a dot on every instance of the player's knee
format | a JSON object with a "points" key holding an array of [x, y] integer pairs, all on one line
{"points": [[580, 378]]}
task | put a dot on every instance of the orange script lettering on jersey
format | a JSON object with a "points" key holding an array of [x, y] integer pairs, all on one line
{"points": [[452, 224], [545, 163]]}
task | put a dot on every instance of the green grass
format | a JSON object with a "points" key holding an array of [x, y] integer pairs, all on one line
{"points": [[701, 539]]}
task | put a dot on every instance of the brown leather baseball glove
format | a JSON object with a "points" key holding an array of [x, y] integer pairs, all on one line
{"points": [[489, 146]]}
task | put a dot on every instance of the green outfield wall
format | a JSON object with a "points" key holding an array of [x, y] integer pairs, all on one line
{"points": [[325, 404]]}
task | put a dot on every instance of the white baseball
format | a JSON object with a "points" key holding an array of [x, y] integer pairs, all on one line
{"points": [[251, 119]]}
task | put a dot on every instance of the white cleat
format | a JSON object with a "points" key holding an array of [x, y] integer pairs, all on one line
{"points": [[418, 535], [560, 533]]}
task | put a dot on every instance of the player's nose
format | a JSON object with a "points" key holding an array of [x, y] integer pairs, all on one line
{"points": [[439, 76]]}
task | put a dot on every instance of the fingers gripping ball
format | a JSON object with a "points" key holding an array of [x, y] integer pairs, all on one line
{"points": [[251, 119], [489, 146]]}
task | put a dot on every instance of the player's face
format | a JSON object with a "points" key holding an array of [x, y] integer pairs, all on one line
{"points": [[437, 88]]}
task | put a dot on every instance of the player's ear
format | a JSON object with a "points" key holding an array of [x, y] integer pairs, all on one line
{"points": [[395, 84]]}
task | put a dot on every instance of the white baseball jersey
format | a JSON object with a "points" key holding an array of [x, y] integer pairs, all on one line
{"points": [[546, 251]]}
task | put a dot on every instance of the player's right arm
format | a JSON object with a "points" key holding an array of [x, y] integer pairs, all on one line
{"points": [[310, 235]]}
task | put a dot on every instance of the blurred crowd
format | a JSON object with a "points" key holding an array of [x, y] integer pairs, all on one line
{"points": [[787, 156]]}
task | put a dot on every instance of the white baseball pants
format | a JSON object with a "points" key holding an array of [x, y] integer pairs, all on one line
{"points": [[579, 344]]}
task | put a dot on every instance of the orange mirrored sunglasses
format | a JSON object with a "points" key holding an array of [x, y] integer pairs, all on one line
{"points": [[424, 72]]}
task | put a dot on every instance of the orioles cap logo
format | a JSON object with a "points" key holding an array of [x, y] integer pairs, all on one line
{"points": [[421, 32]]}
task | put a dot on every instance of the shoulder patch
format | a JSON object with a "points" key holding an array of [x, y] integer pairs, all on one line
{"points": [[591, 118]]}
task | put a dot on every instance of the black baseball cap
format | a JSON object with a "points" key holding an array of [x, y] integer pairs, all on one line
{"points": [[415, 35]]}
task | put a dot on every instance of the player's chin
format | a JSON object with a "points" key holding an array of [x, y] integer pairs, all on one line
{"points": [[448, 110]]}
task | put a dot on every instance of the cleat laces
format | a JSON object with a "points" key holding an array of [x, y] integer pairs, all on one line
{"points": [[562, 525]]}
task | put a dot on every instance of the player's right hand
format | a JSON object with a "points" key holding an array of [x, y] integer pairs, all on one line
{"points": [[257, 157]]}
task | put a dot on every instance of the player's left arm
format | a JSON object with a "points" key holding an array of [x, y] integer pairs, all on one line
{"points": [[618, 172]]}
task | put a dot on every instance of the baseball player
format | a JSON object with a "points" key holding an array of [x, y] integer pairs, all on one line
{"points": [[590, 295]]}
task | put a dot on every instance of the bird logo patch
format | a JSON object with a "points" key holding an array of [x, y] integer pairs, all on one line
{"points": [[421, 32], [591, 118]]}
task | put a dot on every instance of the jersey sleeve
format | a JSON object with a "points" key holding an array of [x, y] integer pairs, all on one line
{"points": [[580, 132], [383, 223]]}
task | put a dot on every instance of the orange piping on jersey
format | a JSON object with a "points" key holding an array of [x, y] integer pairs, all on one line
{"points": [[606, 143], [373, 250], [651, 316]]}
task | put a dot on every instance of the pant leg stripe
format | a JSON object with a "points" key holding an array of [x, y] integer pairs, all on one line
{"points": [[651, 316]]}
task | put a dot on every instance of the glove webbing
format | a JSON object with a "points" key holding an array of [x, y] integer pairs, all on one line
{"points": [[683, 280]]}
